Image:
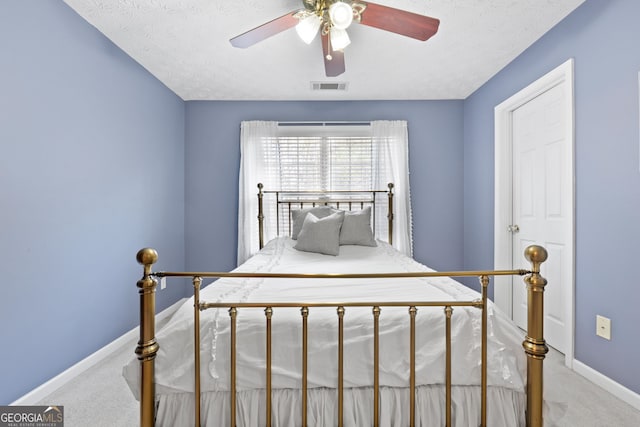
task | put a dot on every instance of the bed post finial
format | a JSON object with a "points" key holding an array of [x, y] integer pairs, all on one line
{"points": [[390, 213], [260, 216], [534, 344], [147, 346], [536, 255]]}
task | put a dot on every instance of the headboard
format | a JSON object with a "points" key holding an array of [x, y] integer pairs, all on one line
{"points": [[283, 202]]}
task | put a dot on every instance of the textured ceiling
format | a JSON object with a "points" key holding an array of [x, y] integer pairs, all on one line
{"points": [[185, 44]]}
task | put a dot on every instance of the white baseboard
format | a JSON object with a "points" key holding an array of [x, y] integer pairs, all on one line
{"points": [[617, 389], [63, 378]]}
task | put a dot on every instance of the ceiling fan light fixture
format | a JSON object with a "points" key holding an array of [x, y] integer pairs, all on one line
{"points": [[339, 38], [332, 18], [341, 15], [308, 27]]}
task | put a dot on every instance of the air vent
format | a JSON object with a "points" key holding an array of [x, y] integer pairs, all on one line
{"points": [[331, 86]]}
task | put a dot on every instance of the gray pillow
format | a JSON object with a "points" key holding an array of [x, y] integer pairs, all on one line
{"points": [[298, 215], [356, 228], [321, 235]]}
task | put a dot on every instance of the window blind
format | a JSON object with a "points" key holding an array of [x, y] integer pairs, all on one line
{"points": [[321, 163]]}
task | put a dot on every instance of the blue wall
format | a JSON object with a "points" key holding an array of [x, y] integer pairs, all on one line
{"points": [[213, 158], [603, 38], [91, 170]]}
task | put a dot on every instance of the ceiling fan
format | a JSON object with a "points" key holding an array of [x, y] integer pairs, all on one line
{"points": [[331, 18]]}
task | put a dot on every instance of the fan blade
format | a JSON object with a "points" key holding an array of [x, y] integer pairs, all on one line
{"points": [[399, 21], [335, 66], [264, 31]]}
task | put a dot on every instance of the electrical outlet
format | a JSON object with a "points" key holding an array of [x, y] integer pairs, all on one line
{"points": [[603, 327]]}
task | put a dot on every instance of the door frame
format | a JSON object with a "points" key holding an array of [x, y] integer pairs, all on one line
{"points": [[503, 213]]}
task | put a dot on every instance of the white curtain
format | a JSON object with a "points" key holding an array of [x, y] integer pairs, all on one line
{"points": [[252, 171], [392, 140]]}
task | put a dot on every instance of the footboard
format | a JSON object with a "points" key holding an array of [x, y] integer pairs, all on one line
{"points": [[534, 343]]}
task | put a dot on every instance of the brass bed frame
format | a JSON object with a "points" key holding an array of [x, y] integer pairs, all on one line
{"points": [[534, 344]]}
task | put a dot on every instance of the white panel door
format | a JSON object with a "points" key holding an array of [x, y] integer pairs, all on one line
{"points": [[542, 205]]}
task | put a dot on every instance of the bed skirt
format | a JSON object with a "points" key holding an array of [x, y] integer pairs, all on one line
{"points": [[505, 407]]}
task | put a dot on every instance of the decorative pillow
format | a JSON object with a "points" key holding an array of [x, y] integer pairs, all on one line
{"points": [[321, 235], [356, 228], [298, 215]]}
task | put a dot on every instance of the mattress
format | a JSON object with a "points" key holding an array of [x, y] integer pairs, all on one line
{"points": [[175, 361]]}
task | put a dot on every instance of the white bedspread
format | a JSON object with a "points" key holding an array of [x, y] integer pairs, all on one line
{"points": [[174, 362]]}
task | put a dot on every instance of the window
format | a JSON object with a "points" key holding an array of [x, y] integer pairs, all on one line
{"points": [[321, 157], [328, 158]]}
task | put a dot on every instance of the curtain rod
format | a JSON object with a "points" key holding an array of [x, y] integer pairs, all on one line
{"points": [[343, 123]]}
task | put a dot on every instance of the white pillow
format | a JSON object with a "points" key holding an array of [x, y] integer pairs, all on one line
{"points": [[356, 228], [298, 216], [321, 235]]}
